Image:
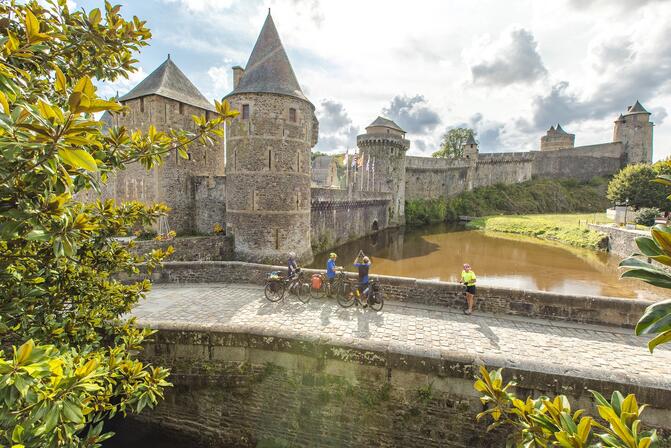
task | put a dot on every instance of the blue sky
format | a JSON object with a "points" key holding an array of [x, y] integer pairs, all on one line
{"points": [[507, 69]]}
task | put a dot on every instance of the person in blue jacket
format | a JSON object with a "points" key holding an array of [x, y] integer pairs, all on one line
{"points": [[331, 270], [362, 263]]}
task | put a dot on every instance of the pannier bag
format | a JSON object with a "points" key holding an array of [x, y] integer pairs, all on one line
{"points": [[316, 281], [273, 275]]}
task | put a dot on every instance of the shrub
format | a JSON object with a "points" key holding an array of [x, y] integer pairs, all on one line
{"points": [[646, 216]]}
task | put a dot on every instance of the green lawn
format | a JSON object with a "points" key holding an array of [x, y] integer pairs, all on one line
{"points": [[565, 228]]}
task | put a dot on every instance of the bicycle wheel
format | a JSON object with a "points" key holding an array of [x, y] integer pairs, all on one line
{"points": [[274, 290], [345, 296], [303, 292], [318, 293], [375, 301]]}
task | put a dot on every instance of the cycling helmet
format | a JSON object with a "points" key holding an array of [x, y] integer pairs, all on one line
{"points": [[292, 254], [333, 255]]}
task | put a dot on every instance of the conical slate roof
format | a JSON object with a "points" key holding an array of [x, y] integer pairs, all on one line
{"points": [[471, 140], [560, 129], [552, 128], [268, 69], [637, 108], [170, 82], [380, 121]]}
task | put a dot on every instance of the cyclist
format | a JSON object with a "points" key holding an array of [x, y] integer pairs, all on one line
{"points": [[468, 278], [292, 268], [363, 263], [331, 270]]}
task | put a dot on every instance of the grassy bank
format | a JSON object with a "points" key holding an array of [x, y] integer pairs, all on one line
{"points": [[566, 228], [531, 197]]}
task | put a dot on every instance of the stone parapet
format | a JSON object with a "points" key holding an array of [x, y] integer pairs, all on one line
{"points": [[197, 248], [537, 304]]}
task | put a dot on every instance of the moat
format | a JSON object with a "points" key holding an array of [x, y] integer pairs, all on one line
{"points": [[501, 260]]}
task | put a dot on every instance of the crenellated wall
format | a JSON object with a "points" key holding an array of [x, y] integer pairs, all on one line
{"points": [[338, 216], [580, 163]]}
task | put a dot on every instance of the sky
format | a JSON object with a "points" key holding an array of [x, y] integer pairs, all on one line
{"points": [[508, 69]]}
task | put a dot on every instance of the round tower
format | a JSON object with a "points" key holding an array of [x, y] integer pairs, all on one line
{"points": [[384, 145], [268, 168], [634, 130]]}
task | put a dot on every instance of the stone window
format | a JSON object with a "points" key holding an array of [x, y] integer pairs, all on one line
{"points": [[245, 111], [142, 104], [270, 160], [181, 108], [292, 115], [277, 239]]}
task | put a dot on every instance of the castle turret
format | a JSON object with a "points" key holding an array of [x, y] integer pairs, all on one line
{"points": [[634, 130], [268, 156], [167, 99], [471, 149], [557, 138], [385, 145]]}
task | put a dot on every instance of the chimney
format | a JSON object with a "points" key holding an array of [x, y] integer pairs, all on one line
{"points": [[237, 74]]}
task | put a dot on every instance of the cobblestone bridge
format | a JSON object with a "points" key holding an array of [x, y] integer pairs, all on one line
{"points": [[248, 372], [565, 348]]}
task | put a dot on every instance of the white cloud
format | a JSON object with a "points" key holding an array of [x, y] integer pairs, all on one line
{"points": [[220, 81], [121, 86]]}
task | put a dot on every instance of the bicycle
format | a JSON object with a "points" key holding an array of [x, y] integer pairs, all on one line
{"points": [[374, 296], [336, 287], [277, 285]]}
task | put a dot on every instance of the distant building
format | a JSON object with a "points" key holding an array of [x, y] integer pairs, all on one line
{"points": [[557, 138], [325, 172]]}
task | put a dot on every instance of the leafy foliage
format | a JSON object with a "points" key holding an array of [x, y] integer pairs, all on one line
{"points": [[646, 216], [453, 141], [544, 422], [68, 359], [534, 196], [634, 183]]}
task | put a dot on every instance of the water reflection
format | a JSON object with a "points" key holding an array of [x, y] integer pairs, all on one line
{"points": [[437, 252]]}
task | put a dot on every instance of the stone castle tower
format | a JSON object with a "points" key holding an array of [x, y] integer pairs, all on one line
{"points": [[557, 138], [167, 99], [471, 149], [268, 169], [634, 130], [384, 142]]}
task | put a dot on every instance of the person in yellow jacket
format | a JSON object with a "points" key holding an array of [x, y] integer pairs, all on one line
{"points": [[468, 279]]}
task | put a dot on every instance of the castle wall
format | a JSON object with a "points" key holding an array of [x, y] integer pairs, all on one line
{"points": [[209, 203], [433, 178], [171, 182], [580, 163], [502, 168], [338, 217]]}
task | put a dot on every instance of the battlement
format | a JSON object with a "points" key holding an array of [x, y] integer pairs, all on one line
{"points": [[382, 138], [505, 157]]}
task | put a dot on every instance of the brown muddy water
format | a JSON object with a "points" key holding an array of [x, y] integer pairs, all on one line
{"points": [[503, 260]]}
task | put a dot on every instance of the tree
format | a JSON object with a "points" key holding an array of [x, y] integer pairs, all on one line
{"points": [[634, 183], [67, 358], [452, 143]]}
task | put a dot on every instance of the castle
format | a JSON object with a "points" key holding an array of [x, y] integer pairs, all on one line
{"points": [[258, 182]]}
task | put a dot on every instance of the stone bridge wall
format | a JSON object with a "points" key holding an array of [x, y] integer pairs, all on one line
{"points": [[248, 390], [597, 310], [196, 248], [338, 216]]}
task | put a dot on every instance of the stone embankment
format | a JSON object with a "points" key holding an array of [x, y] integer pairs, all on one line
{"points": [[621, 241]]}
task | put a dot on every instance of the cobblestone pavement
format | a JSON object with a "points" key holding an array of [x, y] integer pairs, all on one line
{"points": [[589, 351]]}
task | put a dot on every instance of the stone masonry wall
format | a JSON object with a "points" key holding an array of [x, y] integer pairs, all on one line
{"points": [[586, 309], [432, 178], [338, 216], [200, 248], [268, 176], [209, 203], [246, 390]]}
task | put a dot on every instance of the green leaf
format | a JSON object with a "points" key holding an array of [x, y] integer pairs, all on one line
{"points": [[654, 278], [660, 339], [37, 235], [78, 158], [648, 246], [653, 313]]}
